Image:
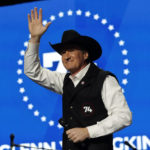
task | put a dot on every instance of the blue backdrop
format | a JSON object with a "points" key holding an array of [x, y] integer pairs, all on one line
{"points": [[31, 112]]}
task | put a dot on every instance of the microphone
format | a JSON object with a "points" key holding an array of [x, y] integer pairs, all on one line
{"points": [[127, 143], [18, 145], [63, 123], [12, 141]]}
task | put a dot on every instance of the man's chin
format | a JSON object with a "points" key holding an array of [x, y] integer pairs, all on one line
{"points": [[71, 70], [68, 67]]}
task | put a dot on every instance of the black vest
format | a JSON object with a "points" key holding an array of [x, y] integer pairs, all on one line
{"points": [[83, 106]]}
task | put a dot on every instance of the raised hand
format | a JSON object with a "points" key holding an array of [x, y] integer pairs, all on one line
{"points": [[36, 27]]}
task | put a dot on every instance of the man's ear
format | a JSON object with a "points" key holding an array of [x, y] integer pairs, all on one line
{"points": [[86, 55]]}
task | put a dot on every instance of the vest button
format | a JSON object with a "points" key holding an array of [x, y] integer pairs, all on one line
{"points": [[71, 107], [70, 118], [66, 125]]}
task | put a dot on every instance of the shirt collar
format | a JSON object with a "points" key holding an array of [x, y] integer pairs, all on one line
{"points": [[81, 73]]}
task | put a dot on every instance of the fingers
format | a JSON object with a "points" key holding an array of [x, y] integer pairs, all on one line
{"points": [[47, 25], [35, 13], [77, 134], [68, 131], [75, 139], [29, 19], [73, 136], [32, 15], [40, 15]]}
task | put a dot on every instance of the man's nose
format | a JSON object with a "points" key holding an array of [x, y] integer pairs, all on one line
{"points": [[67, 54]]}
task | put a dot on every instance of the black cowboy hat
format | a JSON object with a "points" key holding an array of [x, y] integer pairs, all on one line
{"points": [[72, 39]]}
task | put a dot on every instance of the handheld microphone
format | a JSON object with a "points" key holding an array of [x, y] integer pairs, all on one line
{"points": [[63, 123], [127, 143]]}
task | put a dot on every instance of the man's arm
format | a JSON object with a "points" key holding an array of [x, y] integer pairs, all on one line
{"points": [[32, 68], [119, 114]]}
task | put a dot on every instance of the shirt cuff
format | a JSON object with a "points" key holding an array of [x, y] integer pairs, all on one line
{"points": [[33, 48], [93, 131]]}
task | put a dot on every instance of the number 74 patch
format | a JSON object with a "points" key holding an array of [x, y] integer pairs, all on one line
{"points": [[87, 109]]}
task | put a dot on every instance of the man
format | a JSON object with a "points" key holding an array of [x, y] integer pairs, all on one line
{"points": [[93, 104]]}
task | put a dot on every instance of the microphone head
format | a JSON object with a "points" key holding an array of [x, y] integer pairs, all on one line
{"points": [[12, 136]]}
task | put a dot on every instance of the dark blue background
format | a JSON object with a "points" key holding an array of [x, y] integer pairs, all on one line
{"points": [[129, 17]]}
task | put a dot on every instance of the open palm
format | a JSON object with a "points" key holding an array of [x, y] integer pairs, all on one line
{"points": [[36, 27]]}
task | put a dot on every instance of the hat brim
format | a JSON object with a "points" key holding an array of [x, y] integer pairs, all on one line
{"points": [[83, 43]]}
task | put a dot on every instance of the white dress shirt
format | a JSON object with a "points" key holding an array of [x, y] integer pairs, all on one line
{"points": [[119, 114]]}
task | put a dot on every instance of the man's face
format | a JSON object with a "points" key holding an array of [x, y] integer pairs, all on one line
{"points": [[74, 60]]}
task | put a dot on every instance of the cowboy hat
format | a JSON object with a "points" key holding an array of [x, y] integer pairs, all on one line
{"points": [[72, 39]]}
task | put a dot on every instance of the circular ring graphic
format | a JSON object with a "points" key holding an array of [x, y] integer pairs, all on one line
{"points": [[52, 18]]}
